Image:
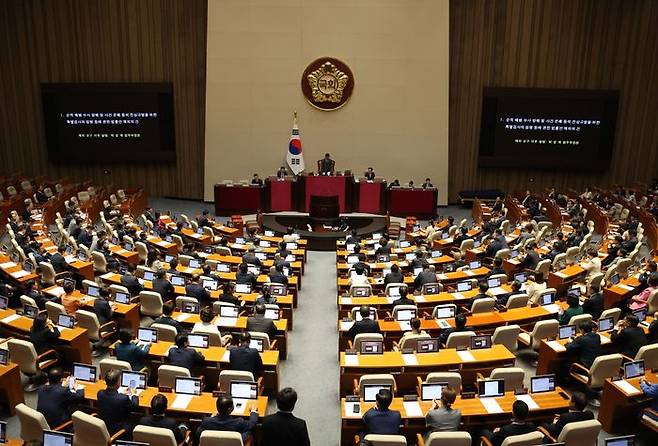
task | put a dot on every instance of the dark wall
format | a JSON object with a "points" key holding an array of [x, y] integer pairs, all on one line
{"points": [[606, 44], [103, 41]]}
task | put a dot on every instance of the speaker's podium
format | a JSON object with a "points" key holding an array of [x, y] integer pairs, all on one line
{"points": [[325, 208]]}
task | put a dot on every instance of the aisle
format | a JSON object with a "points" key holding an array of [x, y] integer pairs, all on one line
{"points": [[312, 365]]}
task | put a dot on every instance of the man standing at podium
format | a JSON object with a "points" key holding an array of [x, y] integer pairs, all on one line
{"points": [[326, 165]]}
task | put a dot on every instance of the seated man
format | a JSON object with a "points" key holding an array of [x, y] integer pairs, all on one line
{"points": [[244, 276], [54, 399], [403, 299], [159, 419], [427, 275], [587, 346], [326, 165], [497, 267], [166, 319], [258, 322], [276, 275], [365, 325], [395, 276], [381, 420], [415, 331], [518, 426], [182, 355], [163, 286], [130, 281], [195, 289], [223, 421], [250, 258], [576, 412], [127, 350], [574, 309], [628, 337], [460, 325], [593, 304], [113, 407], [227, 294], [256, 181], [501, 299], [246, 358]]}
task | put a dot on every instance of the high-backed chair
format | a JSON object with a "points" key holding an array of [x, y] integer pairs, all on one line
{"points": [[150, 303], [579, 319], [392, 287], [33, 423], [398, 308], [385, 440], [542, 330], [603, 367], [167, 375], [156, 436], [264, 338], [355, 310], [513, 377], [362, 337], [572, 253], [91, 431], [29, 362], [649, 353], [454, 379], [483, 305], [460, 339], [614, 313], [530, 439], [166, 332], [445, 439], [652, 302], [380, 378], [559, 261], [517, 301], [367, 290], [100, 264], [507, 335], [107, 364], [182, 300], [220, 438], [226, 376], [577, 433], [410, 341], [142, 251], [99, 334]]}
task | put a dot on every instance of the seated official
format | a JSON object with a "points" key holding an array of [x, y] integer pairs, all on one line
{"points": [[353, 238], [173, 265], [576, 413], [427, 183], [127, 350], [383, 248], [204, 220], [395, 276], [250, 258], [223, 421], [531, 257], [497, 267], [244, 276], [182, 355], [518, 426], [501, 299], [102, 308], [498, 242], [459, 238], [587, 346], [130, 281], [38, 297], [246, 358], [113, 407], [442, 417], [159, 419], [592, 264], [207, 326], [460, 325], [265, 297], [282, 249], [281, 173], [362, 263], [228, 296], [628, 337], [54, 399], [651, 391], [359, 278], [593, 304], [195, 289], [163, 286], [283, 428], [276, 275], [290, 236], [365, 325], [415, 331], [166, 319], [327, 165], [403, 299], [369, 174], [640, 301], [483, 291], [574, 309], [427, 275], [70, 301], [58, 261], [258, 322], [43, 333], [381, 420]]}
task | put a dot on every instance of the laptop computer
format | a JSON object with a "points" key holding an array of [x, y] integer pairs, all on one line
{"points": [[480, 342], [271, 313], [187, 386], [257, 344], [177, 280], [54, 438], [4, 356], [278, 289], [566, 331], [198, 340], [149, 275], [210, 284], [445, 311], [358, 317], [223, 268], [168, 258], [436, 254], [65, 321], [30, 311], [466, 285], [432, 391], [405, 315], [4, 301], [93, 291], [84, 372], [121, 297], [133, 380], [475, 264], [542, 383], [431, 288], [128, 246], [547, 299], [228, 311], [190, 307], [147, 334], [627, 440], [493, 282], [491, 388], [606, 324], [195, 263], [521, 277], [247, 390], [242, 288]]}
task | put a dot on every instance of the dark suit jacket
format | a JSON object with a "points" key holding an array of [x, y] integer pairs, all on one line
{"points": [[226, 423], [43, 340], [246, 359], [168, 320], [284, 429], [163, 422], [385, 422], [229, 298], [198, 291], [262, 324], [251, 259], [363, 326], [493, 248], [164, 287], [530, 260], [629, 340], [85, 239], [133, 285], [403, 301], [423, 278], [594, 305], [511, 430], [114, 408], [587, 347], [185, 357], [246, 278], [102, 310], [59, 263], [393, 278], [566, 418], [53, 402], [278, 277]]}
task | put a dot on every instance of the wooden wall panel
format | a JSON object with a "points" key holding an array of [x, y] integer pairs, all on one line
{"points": [[103, 41], [607, 44]]}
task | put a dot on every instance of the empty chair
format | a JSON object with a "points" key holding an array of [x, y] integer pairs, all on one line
{"points": [[227, 376], [398, 308], [27, 301], [445, 439], [578, 433], [622, 266], [48, 274], [465, 245], [182, 300], [107, 364], [150, 303], [410, 340], [503, 254], [603, 367], [543, 267], [517, 301], [29, 362], [220, 438], [33, 423], [154, 436], [559, 262], [178, 240], [100, 264], [542, 330], [460, 339], [166, 332], [142, 251], [454, 379], [508, 336], [380, 379], [572, 253], [91, 431], [167, 375], [530, 439], [513, 377], [385, 440], [483, 305], [54, 310], [97, 333]]}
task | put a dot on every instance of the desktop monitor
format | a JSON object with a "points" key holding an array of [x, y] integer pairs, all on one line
{"points": [[475, 264], [361, 291], [228, 311], [169, 239], [30, 311], [349, 247], [195, 263], [133, 380], [242, 288], [633, 369], [149, 275], [256, 344], [199, 231], [566, 331], [4, 356], [480, 342], [244, 390], [466, 285], [55, 438], [147, 334], [177, 280], [372, 347], [548, 299], [190, 307], [445, 311], [427, 345], [489, 388], [431, 288], [187, 386], [239, 240], [122, 298], [115, 240], [278, 289], [394, 291], [370, 391], [436, 254], [223, 268], [627, 440], [521, 277], [606, 324], [84, 372], [93, 291], [66, 321], [272, 313], [405, 315], [198, 340], [513, 254], [494, 282], [542, 383], [432, 391]]}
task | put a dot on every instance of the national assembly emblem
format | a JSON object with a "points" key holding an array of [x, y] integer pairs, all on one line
{"points": [[327, 84]]}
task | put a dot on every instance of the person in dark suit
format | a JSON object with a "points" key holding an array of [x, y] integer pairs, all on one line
{"points": [[163, 286], [531, 258], [283, 428], [276, 275], [587, 346], [326, 165], [281, 173], [258, 322], [395, 276], [427, 275], [38, 297], [159, 419], [362, 263], [183, 356], [496, 244], [282, 250], [403, 299], [265, 296], [246, 358], [497, 267], [518, 426], [86, 236], [102, 308], [131, 282], [43, 334], [353, 238], [576, 413], [501, 299], [365, 325], [384, 248], [427, 184], [381, 420], [460, 325], [250, 258], [195, 289], [560, 244], [204, 220], [167, 310], [593, 304], [53, 399], [58, 261], [243, 276], [223, 421], [463, 235], [127, 350], [628, 338], [228, 296], [256, 181], [113, 407]]}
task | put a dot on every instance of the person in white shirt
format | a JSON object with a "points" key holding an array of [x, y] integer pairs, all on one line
{"points": [[207, 327], [291, 237], [359, 278], [536, 285], [593, 264]]}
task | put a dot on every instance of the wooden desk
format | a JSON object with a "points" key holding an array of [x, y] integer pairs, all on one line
{"points": [[614, 294], [406, 368], [618, 405], [124, 255], [163, 245], [11, 388], [194, 236], [15, 272], [75, 341], [561, 280], [474, 414]]}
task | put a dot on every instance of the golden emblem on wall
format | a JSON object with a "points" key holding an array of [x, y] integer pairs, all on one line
{"points": [[327, 84]]}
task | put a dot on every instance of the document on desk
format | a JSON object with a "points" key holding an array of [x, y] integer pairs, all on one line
{"points": [[351, 360], [349, 410], [469, 273], [409, 359], [19, 274], [458, 296], [555, 345], [560, 275], [239, 406], [181, 402], [10, 319], [346, 301], [443, 323], [491, 405], [466, 356], [626, 287], [412, 408], [227, 321], [551, 308], [390, 299], [121, 251], [404, 325], [7, 265], [57, 291], [419, 299], [183, 317], [627, 387], [528, 400], [346, 325], [442, 276]]}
